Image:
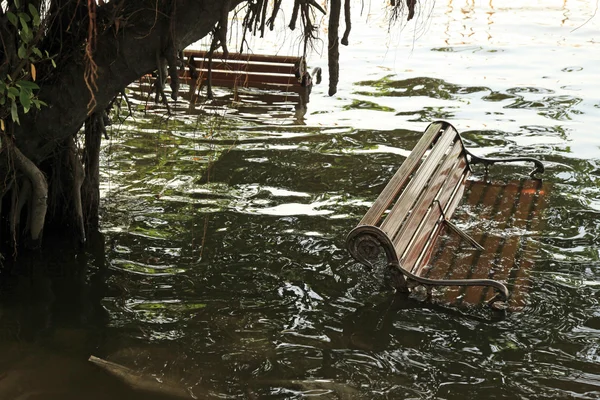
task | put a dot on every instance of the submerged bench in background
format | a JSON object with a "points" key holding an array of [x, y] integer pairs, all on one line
{"points": [[286, 74], [416, 205]]}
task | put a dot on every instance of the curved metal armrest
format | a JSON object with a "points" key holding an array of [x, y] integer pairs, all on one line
{"points": [[539, 166]]}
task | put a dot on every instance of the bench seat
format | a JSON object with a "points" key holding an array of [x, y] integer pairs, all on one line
{"points": [[416, 205]]}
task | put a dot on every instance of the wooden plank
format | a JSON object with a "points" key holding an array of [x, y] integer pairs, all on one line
{"points": [[484, 267], [414, 220], [244, 57], [233, 83], [448, 201], [244, 66], [398, 181], [443, 263], [526, 249], [416, 256], [250, 79], [462, 267], [418, 182]]}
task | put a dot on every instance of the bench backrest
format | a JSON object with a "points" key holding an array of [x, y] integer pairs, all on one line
{"points": [[247, 70], [427, 186]]}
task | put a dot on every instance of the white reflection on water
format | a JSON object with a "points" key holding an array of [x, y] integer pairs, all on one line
{"points": [[550, 45]]}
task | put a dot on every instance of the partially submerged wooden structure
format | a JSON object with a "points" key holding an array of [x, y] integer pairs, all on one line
{"points": [[416, 207], [271, 72]]}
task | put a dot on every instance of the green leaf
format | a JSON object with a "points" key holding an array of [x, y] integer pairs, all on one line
{"points": [[28, 85], [36, 16], [2, 100], [13, 19], [13, 92], [24, 25], [37, 52], [24, 16], [26, 35], [17, 4], [25, 99], [2, 87], [13, 112], [53, 63], [22, 52]]}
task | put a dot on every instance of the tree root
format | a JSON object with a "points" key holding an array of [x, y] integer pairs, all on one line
{"points": [[159, 83], [411, 8], [39, 195], [78, 178], [348, 22], [222, 29], [171, 57], [94, 126], [334, 46], [276, 8], [294, 18]]}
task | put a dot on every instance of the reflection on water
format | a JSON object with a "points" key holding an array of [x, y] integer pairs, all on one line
{"points": [[222, 266]]}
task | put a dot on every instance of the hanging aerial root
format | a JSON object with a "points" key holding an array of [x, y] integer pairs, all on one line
{"points": [[294, 18], [348, 22], [263, 18], [171, 57], [276, 8], [411, 8], [90, 193], [334, 46], [39, 195], [222, 30], [316, 5], [78, 178], [159, 83]]}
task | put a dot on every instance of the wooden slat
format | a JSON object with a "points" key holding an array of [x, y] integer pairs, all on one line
{"points": [[509, 199], [537, 194], [244, 78], [410, 227], [442, 265], [461, 268], [418, 182], [398, 181], [244, 66], [451, 192], [244, 57], [506, 259], [232, 83]]}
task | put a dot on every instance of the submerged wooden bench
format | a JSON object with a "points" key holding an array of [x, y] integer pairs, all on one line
{"points": [[418, 202], [271, 72]]}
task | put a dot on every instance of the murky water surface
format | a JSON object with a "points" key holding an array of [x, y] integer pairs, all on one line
{"points": [[222, 269]]}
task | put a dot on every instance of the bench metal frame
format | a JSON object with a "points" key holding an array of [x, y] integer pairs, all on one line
{"points": [[418, 202]]}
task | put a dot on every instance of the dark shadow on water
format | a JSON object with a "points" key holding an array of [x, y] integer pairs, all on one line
{"points": [[52, 320]]}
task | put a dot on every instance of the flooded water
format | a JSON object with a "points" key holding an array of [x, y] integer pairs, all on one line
{"points": [[221, 267]]}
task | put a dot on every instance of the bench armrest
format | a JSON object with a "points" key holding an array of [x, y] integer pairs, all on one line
{"points": [[473, 159]]}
